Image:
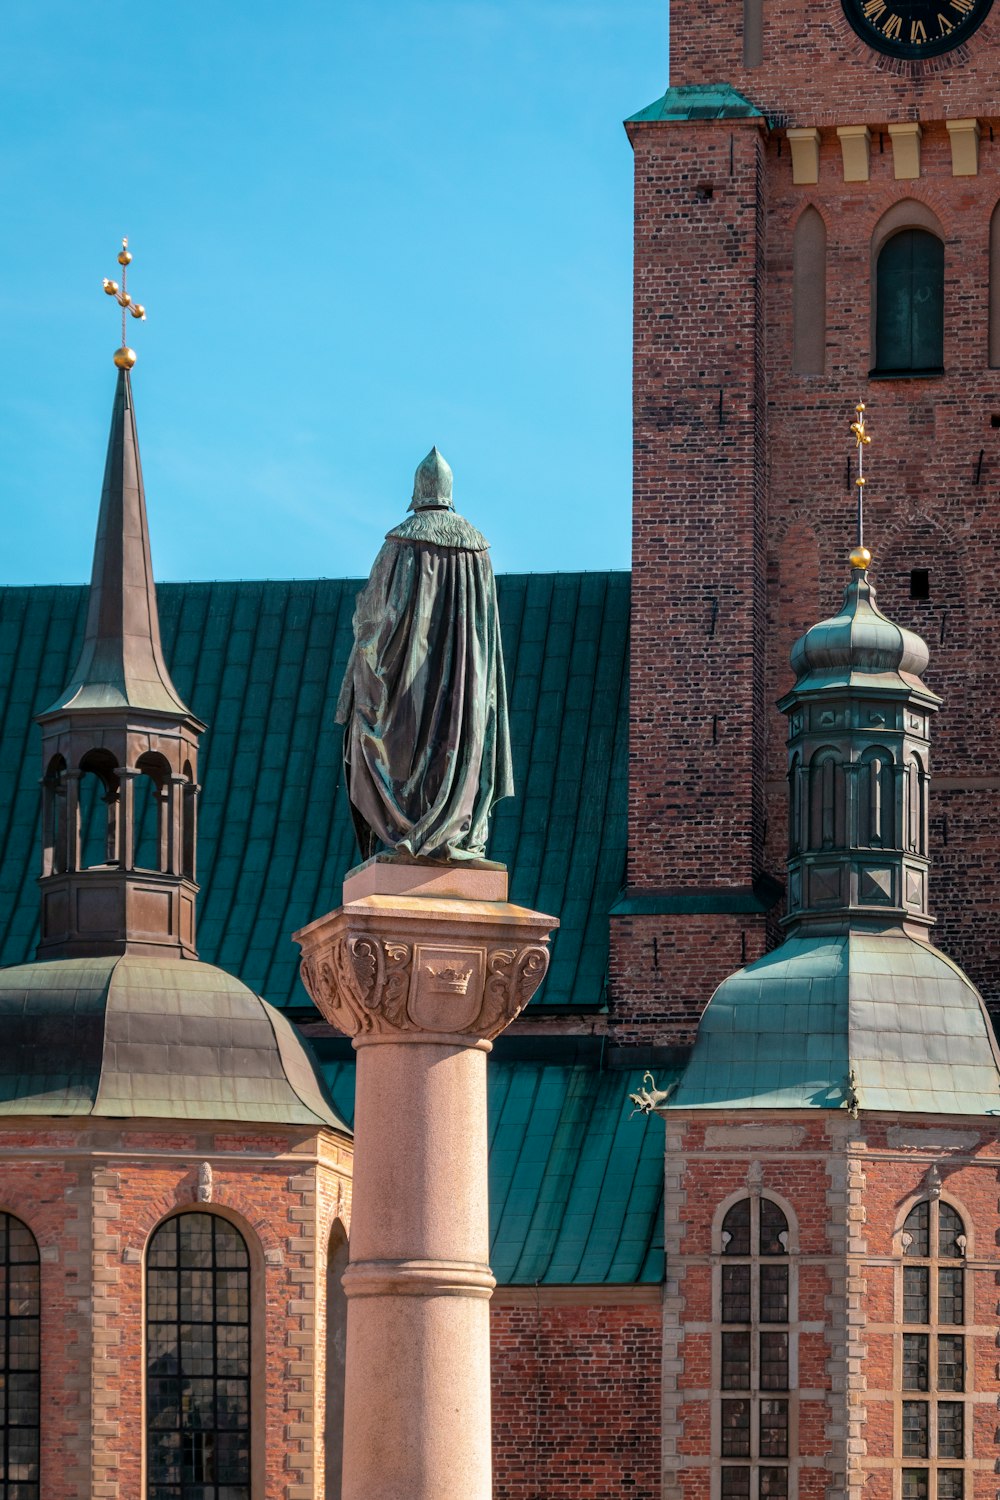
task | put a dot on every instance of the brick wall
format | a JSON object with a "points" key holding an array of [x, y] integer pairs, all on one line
{"points": [[576, 1393], [849, 1185], [92, 1197]]}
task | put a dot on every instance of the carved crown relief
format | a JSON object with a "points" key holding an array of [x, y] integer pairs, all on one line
{"points": [[367, 985]]}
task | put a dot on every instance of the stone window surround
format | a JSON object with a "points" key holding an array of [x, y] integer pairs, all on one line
{"points": [[793, 1327], [258, 1335], [966, 1396]]}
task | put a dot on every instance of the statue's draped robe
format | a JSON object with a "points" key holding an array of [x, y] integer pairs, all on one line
{"points": [[424, 701]]}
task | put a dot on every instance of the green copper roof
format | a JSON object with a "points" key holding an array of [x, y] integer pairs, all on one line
{"points": [[262, 664], [698, 101], [821, 1019], [576, 1186], [171, 1039]]}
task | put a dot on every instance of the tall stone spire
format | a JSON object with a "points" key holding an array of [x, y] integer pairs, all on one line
{"points": [[120, 750], [121, 661]]}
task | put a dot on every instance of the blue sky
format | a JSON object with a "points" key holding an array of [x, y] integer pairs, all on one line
{"points": [[359, 229]]}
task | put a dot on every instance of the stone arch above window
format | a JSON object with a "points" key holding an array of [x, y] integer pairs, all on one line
{"points": [[198, 1373], [809, 294], [907, 291]]}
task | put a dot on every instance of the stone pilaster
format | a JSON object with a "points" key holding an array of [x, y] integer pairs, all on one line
{"points": [[675, 1228], [423, 966], [845, 1328]]}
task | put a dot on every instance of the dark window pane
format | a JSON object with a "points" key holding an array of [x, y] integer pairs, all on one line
{"points": [[736, 1225], [950, 1231], [773, 1294], [909, 317], [735, 1361], [916, 1294], [951, 1362], [915, 1361], [735, 1483], [951, 1299], [198, 1361], [918, 1227], [736, 1429], [774, 1484], [774, 1361], [773, 1225], [774, 1429], [736, 1294], [949, 1484], [915, 1429], [951, 1429], [914, 1484], [19, 1360]]}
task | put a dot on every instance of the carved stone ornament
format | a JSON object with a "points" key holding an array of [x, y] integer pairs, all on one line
{"points": [[369, 985], [932, 1181], [205, 1183], [755, 1177]]}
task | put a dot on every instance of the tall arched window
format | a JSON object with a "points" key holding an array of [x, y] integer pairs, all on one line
{"points": [[754, 1310], [19, 1360], [198, 1360], [933, 1420], [994, 328], [909, 307], [336, 1359]]}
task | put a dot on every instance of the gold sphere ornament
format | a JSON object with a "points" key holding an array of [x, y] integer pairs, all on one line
{"points": [[124, 358], [860, 557], [124, 256], [111, 287], [137, 310]]}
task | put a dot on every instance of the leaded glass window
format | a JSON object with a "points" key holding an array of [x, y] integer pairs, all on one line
{"points": [[19, 1361], [198, 1361], [754, 1311], [933, 1360]]}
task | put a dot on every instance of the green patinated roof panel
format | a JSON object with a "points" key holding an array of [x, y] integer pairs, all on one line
{"points": [[576, 1185], [880, 1013], [698, 101], [262, 663]]}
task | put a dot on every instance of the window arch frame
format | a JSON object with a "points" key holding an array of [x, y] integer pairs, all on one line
{"points": [[5, 1427], [932, 1394], [754, 1393], [908, 213], [258, 1339]]}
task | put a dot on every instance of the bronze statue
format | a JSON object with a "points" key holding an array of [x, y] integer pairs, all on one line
{"points": [[424, 700]]}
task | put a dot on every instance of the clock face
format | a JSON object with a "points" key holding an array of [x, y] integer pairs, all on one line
{"points": [[915, 28]]}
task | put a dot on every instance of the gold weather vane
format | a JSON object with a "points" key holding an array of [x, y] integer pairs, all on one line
{"points": [[124, 357], [860, 556]]}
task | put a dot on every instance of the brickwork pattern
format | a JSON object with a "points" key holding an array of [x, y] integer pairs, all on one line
{"points": [[849, 1185], [576, 1399], [92, 1198]]}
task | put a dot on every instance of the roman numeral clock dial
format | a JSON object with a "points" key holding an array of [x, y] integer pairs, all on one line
{"points": [[915, 28]]}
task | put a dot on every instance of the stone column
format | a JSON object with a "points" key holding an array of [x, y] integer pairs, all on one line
{"points": [[423, 966]]}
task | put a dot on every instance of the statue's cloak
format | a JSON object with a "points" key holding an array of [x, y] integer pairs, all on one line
{"points": [[424, 700]]}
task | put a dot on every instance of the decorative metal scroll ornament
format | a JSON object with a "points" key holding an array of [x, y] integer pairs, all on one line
{"points": [[124, 357], [424, 699]]}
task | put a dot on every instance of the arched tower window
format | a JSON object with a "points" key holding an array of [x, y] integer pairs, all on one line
{"points": [[876, 792], [336, 1359], [754, 1310], [19, 1361], [909, 316], [825, 786], [809, 294], [935, 1433], [198, 1360]]}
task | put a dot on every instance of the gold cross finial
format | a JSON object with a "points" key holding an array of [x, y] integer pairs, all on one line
{"points": [[860, 556], [124, 357]]}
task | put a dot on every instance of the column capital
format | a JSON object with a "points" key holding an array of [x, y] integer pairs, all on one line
{"points": [[424, 968]]}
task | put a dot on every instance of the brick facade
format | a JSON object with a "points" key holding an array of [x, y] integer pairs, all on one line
{"points": [[92, 1194], [847, 1187], [743, 507]]}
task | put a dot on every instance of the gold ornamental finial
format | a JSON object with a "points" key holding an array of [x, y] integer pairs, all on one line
{"points": [[860, 556], [124, 357]]}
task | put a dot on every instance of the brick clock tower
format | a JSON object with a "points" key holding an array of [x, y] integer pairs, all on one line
{"points": [[817, 225], [814, 225]]}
